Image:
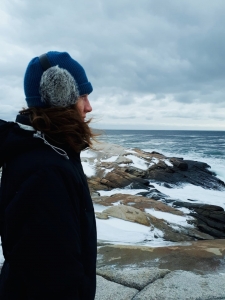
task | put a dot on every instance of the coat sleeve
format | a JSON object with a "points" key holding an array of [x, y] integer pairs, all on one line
{"points": [[43, 237]]}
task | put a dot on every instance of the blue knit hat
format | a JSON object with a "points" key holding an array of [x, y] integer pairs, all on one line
{"points": [[64, 61]]}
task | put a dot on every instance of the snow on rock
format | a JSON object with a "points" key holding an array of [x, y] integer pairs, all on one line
{"points": [[167, 162], [116, 203], [110, 159], [99, 207], [138, 162], [171, 218], [1, 254], [196, 193], [154, 161], [89, 170], [88, 153], [122, 165], [130, 151], [121, 191], [120, 231], [106, 171]]}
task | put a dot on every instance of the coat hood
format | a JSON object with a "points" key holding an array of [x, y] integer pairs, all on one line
{"points": [[14, 140]]}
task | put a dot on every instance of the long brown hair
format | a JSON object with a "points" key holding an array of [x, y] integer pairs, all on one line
{"points": [[62, 125]]}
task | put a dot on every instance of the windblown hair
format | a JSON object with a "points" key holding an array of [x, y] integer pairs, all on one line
{"points": [[62, 125]]}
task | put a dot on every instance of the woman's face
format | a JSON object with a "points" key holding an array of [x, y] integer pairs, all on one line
{"points": [[83, 105]]}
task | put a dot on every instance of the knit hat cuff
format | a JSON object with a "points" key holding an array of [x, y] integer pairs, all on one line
{"points": [[35, 102], [85, 88]]}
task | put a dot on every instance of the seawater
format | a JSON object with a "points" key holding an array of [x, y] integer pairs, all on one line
{"points": [[205, 146]]}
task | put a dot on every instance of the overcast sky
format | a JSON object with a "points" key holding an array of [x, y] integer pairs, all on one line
{"points": [[154, 64]]}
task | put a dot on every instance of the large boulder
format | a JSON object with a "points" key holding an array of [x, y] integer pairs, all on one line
{"points": [[184, 171], [136, 201], [128, 213], [209, 218]]}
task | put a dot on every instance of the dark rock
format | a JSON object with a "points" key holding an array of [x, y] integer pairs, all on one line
{"points": [[138, 185], [154, 152], [185, 171], [192, 200], [209, 218], [151, 186], [214, 232], [218, 215], [211, 223], [167, 185], [198, 205], [143, 193], [135, 171], [183, 166], [168, 200], [156, 195]]}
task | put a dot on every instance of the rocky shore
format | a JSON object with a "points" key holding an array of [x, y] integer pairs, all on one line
{"points": [[131, 185]]}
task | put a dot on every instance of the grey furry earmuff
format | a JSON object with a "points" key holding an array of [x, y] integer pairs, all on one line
{"points": [[58, 88]]}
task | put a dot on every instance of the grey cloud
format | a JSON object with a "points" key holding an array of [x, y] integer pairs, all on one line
{"points": [[126, 47]]}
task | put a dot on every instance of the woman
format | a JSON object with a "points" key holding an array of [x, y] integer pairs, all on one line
{"points": [[47, 222]]}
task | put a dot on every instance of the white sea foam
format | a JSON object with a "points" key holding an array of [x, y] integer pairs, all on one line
{"points": [[219, 169]]}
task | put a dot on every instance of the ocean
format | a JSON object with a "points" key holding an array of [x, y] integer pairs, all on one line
{"points": [[205, 146]]}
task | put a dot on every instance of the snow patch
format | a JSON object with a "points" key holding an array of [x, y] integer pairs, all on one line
{"points": [[154, 161], [121, 191], [110, 159], [88, 153], [89, 170], [120, 231], [197, 193], [122, 165], [116, 203], [106, 171], [171, 218], [1, 254], [167, 162], [138, 162], [131, 151], [99, 207]]}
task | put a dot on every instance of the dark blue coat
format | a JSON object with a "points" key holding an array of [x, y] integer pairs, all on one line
{"points": [[47, 221]]}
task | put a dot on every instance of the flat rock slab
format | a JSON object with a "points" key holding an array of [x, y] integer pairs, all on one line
{"points": [[127, 213], [138, 202], [202, 257], [108, 290], [184, 285], [137, 278]]}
